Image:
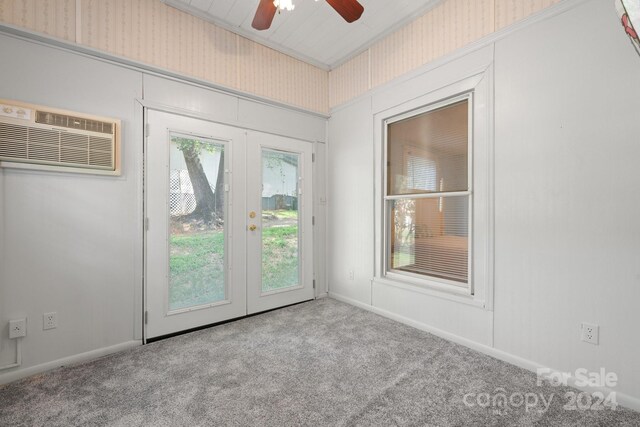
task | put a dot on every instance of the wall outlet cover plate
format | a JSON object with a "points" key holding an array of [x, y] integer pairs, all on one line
{"points": [[17, 328], [590, 333]]}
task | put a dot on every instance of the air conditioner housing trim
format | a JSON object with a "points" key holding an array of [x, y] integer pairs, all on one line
{"points": [[28, 120]]}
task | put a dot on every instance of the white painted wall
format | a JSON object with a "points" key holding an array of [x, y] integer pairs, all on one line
{"points": [[70, 242], [567, 235], [320, 213], [567, 185], [350, 259]]}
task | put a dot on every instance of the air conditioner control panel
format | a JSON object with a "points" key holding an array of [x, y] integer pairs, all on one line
{"points": [[15, 112]]}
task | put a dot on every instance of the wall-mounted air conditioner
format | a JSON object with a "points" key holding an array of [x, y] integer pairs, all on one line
{"points": [[36, 137]]}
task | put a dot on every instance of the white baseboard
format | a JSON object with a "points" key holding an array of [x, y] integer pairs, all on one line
{"points": [[77, 358], [623, 399]]}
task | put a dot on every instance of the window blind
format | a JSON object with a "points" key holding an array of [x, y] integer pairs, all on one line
{"points": [[428, 195]]}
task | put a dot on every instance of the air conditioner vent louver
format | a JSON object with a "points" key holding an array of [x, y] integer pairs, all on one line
{"points": [[13, 141], [71, 122], [51, 139], [28, 143]]}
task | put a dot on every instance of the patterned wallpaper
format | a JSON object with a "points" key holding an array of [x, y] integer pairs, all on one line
{"points": [[53, 17], [350, 79], [156, 34], [509, 11], [153, 33], [445, 28]]}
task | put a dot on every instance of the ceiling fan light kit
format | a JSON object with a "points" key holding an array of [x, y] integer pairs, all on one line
{"points": [[284, 4], [350, 10]]}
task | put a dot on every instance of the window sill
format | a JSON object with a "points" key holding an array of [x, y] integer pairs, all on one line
{"points": [[434, 289]]}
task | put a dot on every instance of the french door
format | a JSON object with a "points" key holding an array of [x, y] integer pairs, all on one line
{"points": [[279, 240], [229, 223]]}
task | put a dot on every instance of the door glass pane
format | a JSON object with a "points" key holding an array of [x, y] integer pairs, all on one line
{"points": [[280, 220], [196, 222], [429, 152], [431, 237]]}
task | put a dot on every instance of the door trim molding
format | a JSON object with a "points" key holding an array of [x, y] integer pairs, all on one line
{"points": [[157, 106], [149, 313]]}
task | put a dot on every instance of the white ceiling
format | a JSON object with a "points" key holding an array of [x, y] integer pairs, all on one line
{"points": [[313, 31]]}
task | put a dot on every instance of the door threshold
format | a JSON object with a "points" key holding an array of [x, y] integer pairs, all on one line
{"points": [[211, 325]]}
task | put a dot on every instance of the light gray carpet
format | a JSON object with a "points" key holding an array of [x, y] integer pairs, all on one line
{"points": [[318, 363]]}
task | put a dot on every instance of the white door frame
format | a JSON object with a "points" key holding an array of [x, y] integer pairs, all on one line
{"points": [[160, 321], [308, 263], [257, 300]]}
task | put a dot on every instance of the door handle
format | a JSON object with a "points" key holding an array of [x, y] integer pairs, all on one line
{"points": [[252, 227]]}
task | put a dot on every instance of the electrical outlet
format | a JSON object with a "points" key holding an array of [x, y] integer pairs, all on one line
{"points": [[17, 328], [49, 321], [590, 333], [351, 276]]}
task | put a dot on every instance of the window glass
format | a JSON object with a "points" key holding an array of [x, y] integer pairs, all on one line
{"points": [[429, 152], [421, 172], [196, 222], [428, 195], [430, 237]]}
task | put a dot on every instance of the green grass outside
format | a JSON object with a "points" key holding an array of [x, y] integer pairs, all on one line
{"points": [[197, 266], [196, 269], [279, 257], [282, 214]]}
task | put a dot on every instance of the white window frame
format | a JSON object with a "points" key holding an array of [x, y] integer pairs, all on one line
{"points": [[478, 89], [388, 199]]}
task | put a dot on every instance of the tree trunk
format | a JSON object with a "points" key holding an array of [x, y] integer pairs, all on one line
{"points": [[205, 201]]}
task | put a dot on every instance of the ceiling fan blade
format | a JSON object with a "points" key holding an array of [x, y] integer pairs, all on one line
{"points": [[264, 15], [350, 10]]}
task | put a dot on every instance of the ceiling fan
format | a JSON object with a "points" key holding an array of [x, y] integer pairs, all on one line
{"points": [[350, 10]]}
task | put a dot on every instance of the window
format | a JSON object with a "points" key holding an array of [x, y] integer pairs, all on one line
{"points": [[421, 170], [434, 192], [428, 193]]}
